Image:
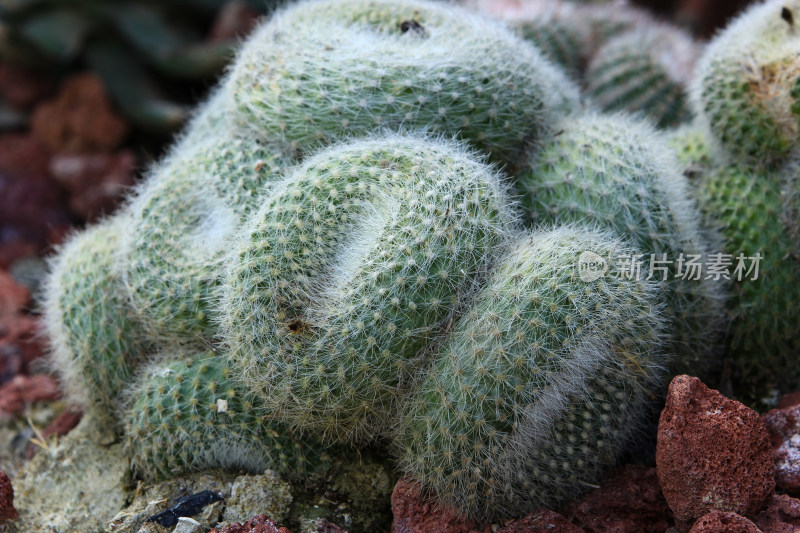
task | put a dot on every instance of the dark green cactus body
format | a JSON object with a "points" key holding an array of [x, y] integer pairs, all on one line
{"points": [[560, 41], [347, 272], [645, 71], [614, 172], [747, 205], [694, 150], [532, 394], [183, 219], [356, 66], [746, 84], [95, 345], [188, 414]]}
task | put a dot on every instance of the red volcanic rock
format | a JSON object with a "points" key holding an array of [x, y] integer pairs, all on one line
{"points": [[784, 430], [257, 524], [19, 340], [20, 345], [95, 182], [541, 521], [724, 522], [79, 119], [782, 515], [21, 88], [13, 296], [22, 153], [413, 513], [788, 400], [712, 454], [7, 510], [628, 501], [25, 390], [31, 204]]}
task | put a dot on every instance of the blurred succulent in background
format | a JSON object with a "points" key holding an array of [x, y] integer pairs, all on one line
{"points": [[145, 50]]}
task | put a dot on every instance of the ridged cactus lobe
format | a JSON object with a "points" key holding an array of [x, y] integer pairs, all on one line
{"points": [[747, 84], [183, 218], [534, 391], [187, 414], [646, 70], [95, 344], [747, 205], [349, 269], [325, 71], [616, 173]]}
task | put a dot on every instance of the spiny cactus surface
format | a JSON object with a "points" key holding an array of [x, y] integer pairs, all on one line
{"points": [[351, 67], [349, 269], [693, 148], [187, 414], [746, 204], [644, 70], [748, 83], [95, 345], [615, 172], [182, 220], [532, 394]]}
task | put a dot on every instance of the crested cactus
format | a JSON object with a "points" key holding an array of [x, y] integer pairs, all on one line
{"points": [[184, 216], [94, 344], [531, 395], [348, 270], [748, 82], [749, 208], [187, 414], [359, 65], [329, 226], [616, 172], [644, 70]]}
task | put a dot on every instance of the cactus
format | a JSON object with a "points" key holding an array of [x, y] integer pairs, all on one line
{"points": [[348, 270], [693, 149], [94, 345], [748, 206], [532, 395], [557, 30], [747, 84], [187, 414], [183, 217], [644, 70], [355, 66], [380, 289], [616, 172]]}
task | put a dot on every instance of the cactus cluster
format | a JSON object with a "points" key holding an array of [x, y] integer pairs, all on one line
{"points": [[624, 58], [374, 232], [745, 103]]}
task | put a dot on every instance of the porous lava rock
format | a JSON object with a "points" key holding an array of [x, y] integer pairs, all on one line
{"points": [[784, 431], [79, 119], [416, 513], [724, 522], [712, 453], [782, 515], [7, 510], [628, 501]]}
